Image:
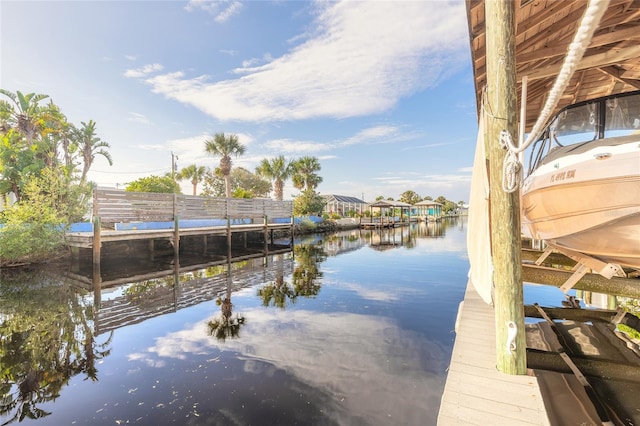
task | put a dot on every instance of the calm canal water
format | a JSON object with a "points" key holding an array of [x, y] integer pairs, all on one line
{"points": [[353, 328]]}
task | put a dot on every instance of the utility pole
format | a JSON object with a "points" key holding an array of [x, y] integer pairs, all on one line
{"points": [[500, 107], [173, 165]]}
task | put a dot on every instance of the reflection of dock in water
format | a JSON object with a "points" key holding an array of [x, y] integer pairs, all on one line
{"points": [[154, 293]]}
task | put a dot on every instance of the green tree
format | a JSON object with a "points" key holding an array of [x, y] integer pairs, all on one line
{"points": [[380, 197], [309, 202], [162, 184], [441, 199], [428, 198], [305, 173], [277, 169], [90, 145], [244, 184], [410, 197], [449, 206], [224, 147], [29, 133], [194, 174]]}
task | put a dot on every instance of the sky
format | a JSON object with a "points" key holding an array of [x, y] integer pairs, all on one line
{"points": [[381, 92]]}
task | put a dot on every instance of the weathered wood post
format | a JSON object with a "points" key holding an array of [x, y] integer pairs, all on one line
{"points": [[266, 233], [228, 235], [500, 109], [97, 243], [176, 227]]}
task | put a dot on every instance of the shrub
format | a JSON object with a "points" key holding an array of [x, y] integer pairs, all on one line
{"points": [[306, 226], [30, 243]]}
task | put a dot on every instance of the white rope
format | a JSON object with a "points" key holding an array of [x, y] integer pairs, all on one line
{"points": [[588, 25], [511, 167]]}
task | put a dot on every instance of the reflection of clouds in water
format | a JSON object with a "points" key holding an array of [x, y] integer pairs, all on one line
{"points": [[180, 344], [375, 371], [365, 292]]}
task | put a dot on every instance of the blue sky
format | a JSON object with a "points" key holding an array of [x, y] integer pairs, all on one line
{"points": [[381, 92]]}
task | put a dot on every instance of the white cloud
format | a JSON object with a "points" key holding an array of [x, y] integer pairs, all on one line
{"points": [[138, 118], [429, 145], [131, 57], [144, 71], [222, 10], [378, 134], [233, 9], [288, 146], [360, 59]]}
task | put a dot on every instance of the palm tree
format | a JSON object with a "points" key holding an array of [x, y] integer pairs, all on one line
{"points": [[304, 174], [91, 145], [279, 170], [194, 173], [224, 147], [24, 113]]}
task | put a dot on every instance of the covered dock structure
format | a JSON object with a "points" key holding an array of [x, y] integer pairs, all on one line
{"points": [[382, 213], [518, 45], [428, 211]]}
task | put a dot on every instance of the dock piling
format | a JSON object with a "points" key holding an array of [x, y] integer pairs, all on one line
{"points": [[500, 108]]}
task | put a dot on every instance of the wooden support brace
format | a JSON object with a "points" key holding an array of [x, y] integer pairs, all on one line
{"points": [[580, 271], [544, 255]]}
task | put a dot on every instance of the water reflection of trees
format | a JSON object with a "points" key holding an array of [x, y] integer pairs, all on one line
{"points": [[305, 278], [226, 326], [46, 338]]}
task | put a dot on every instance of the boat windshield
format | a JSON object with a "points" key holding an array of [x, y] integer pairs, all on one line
{"points": [[598, 119]]}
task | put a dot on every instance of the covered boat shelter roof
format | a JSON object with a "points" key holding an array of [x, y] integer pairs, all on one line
{"points": [[544, 30], [390, 204]]}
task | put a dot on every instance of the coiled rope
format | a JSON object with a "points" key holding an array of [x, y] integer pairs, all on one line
{"points": [[511, 176]]}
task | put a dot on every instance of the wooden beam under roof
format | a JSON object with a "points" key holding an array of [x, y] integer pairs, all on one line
{"points": [[609, 57], [615, 73], [560, 49]]}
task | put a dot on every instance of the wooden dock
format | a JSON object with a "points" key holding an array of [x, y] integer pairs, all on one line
{"points": [[476, 393], [121, 216]]}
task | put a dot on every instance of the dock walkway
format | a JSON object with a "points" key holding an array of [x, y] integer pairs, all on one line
{"points": [[476, 393]]}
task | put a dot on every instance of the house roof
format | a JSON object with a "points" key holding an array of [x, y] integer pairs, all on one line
{"points": [[428, 203], [343, 199], [543, 33], [389, 204]]}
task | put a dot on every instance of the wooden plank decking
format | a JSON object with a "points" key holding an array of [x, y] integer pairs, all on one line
{"points": [[476, 393]]}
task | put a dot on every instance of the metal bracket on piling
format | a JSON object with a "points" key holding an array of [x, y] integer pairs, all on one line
{"points": [[583, 265]]}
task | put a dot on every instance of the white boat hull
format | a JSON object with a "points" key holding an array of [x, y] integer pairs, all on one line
{"points": [[588, 202]]}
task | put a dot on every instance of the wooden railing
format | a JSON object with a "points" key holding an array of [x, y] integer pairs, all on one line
{"points": [[112, 206]]}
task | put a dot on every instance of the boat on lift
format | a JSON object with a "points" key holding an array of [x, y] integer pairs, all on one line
{"points": [[582, 190]]}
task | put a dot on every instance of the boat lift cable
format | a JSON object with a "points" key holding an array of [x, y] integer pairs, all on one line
{"points": [[590, 21]]}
